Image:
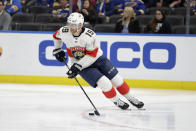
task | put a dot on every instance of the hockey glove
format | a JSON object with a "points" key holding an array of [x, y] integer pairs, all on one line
{"points": [[74, 70], [59, 54]]}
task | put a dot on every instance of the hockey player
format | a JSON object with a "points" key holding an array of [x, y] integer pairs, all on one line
{"points": [[88, 61]]}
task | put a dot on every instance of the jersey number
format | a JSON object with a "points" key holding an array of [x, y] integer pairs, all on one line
{"points": [[65, 30], [89, 33]]}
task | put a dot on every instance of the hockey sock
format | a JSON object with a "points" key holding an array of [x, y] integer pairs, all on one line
{"points": [[124, 89], [107, 89], [121, 86], [112, 95]]}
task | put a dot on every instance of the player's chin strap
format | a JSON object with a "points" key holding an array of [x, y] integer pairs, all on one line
{"points": [[96, 111]]}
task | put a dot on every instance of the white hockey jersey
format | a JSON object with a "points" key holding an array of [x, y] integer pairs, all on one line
{"points": [[83, 50]]}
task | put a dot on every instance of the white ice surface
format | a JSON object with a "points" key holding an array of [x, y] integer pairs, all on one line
{"points": [[65, 108]]}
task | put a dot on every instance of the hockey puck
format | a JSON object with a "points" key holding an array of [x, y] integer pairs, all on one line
{"points": [[91, 114]]}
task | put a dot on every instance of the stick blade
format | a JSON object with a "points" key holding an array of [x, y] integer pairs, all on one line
{"points": [[96, 113]]}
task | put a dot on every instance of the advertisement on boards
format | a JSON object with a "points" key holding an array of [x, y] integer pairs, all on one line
{"points": [[146, 57]]}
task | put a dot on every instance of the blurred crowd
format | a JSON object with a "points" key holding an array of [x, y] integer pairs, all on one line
{"points": [[95, 11]]}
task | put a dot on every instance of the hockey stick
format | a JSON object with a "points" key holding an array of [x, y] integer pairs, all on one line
{"points": [[96, 111]]}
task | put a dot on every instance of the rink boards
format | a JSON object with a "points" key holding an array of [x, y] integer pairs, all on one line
{"points": [[145, 61]]}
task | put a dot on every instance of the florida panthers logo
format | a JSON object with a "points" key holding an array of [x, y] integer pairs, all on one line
{"points": [[78, 52]]}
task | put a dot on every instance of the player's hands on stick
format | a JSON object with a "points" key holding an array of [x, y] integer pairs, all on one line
{"points": [[59, 54], [74, 70]]}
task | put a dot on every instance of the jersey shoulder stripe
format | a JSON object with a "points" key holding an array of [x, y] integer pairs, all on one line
{"points": [[62, 31], [55, 35]]}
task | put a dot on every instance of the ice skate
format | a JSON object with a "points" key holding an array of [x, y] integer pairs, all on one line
{"points": [[121, 104], [135, 102]]}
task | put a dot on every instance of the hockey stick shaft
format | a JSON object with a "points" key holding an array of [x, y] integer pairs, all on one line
{"points": [[84, 92]]}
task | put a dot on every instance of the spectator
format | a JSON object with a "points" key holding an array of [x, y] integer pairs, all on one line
{"points": [[13, 6], [159, 3], [119, 6], [23, 4], [158, 24], [94, 2], [137, 5], [77, 5], [194, 10], [61, 12], [183, 2], [193, 6], [105, 7], [5, 18], [56, 3], [128, 23], [89, 12], [156, 3], [48, 3], [26, 4], [100, 7], [192, 3], [109, 8], [149, 3], [174, 3]]}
